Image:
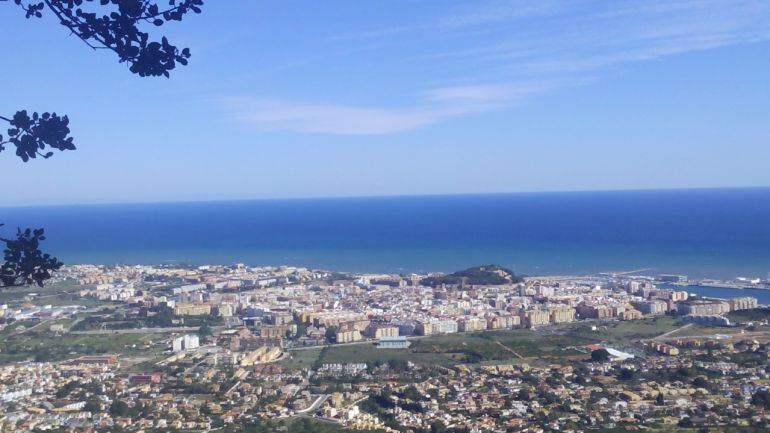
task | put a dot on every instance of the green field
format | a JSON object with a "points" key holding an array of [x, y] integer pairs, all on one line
{"points": [[517, 345], [291, 425], [42, 347], [59, 293], [749, 315], [500, 345], [556, 344], [301, 359], [371, 354], [624, 332]]}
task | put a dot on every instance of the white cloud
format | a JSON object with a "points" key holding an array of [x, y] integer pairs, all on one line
{"points": [[334, 119], [476, 93], [503, 52], [437, 105]]}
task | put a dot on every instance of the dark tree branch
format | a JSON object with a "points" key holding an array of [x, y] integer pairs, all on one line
{"points": [[32, 135], [64, 22], [24, 263], [116, 28]]}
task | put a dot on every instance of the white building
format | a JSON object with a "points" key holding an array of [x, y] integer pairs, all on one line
{"points": [[185, 342]]}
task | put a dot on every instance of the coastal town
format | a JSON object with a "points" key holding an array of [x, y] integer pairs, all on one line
{"points": [[242, 348], [436, 216]]}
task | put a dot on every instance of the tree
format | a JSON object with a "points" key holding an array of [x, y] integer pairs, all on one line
{"points": [[600, 355], [204, 331], [523, 395], [685, 422], [23, 262], [331, 334], [35, 134], [119, 408], [114, 25], [701, 382], [93, 405], [626, 374], [438, 427], [761, 399]]}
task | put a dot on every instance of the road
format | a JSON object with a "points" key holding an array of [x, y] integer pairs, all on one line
{"points": [[738, 335], [634, 271], [663, 336], [137, 331], [316, 404], [37, 325]]}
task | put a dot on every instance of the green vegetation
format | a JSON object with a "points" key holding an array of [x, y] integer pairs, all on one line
{"points": [[290, 425], [119, 408], [699, 330], [623, 332], [115, 320], [600, 355], [380, 405], [761, 399], [301, 359], [487, 275], [11, 295], [749, 315], [42, 347], [369, 354], [561, 344], [748, 359], [462, 348], [499, 345]]}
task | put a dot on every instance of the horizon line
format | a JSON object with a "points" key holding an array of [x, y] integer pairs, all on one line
{"points": [[384, 196]]}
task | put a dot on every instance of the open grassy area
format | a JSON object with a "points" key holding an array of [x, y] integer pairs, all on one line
{"points": [[501, 345], [699, 330], [370, 353], [296, 425], [145, 366], [301, 359], [480, 347], [59, 293], [623, 332], [749, 315], [556, 344], [65, 299], [44, 347]]}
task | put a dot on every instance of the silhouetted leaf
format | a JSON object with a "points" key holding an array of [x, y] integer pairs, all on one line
{"points": [[32, 135], [118, 29], [24, 263]]}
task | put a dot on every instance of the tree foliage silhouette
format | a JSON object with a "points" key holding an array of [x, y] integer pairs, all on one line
{"points": [[113, 25], [23, 262], [33, 135]]}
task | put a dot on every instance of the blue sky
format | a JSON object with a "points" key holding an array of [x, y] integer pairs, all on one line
{"points": [[351, 98]]}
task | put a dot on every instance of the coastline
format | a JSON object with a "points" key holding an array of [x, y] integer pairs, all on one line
{"points": [[705, 234]]}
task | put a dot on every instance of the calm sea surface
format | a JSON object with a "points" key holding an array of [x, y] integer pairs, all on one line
{"points": [[716, 233], [763, 296]]}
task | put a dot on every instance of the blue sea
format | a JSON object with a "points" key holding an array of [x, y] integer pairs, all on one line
{"points": [[762, 295], [721, 233]]}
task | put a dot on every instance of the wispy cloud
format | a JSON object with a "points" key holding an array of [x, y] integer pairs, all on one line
{"points": [[460, 18], [339, 119], [436, 105], [496, 54]]}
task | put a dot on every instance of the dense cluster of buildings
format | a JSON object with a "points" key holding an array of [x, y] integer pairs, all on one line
{"points": [[253, 318], [276, 303]]}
